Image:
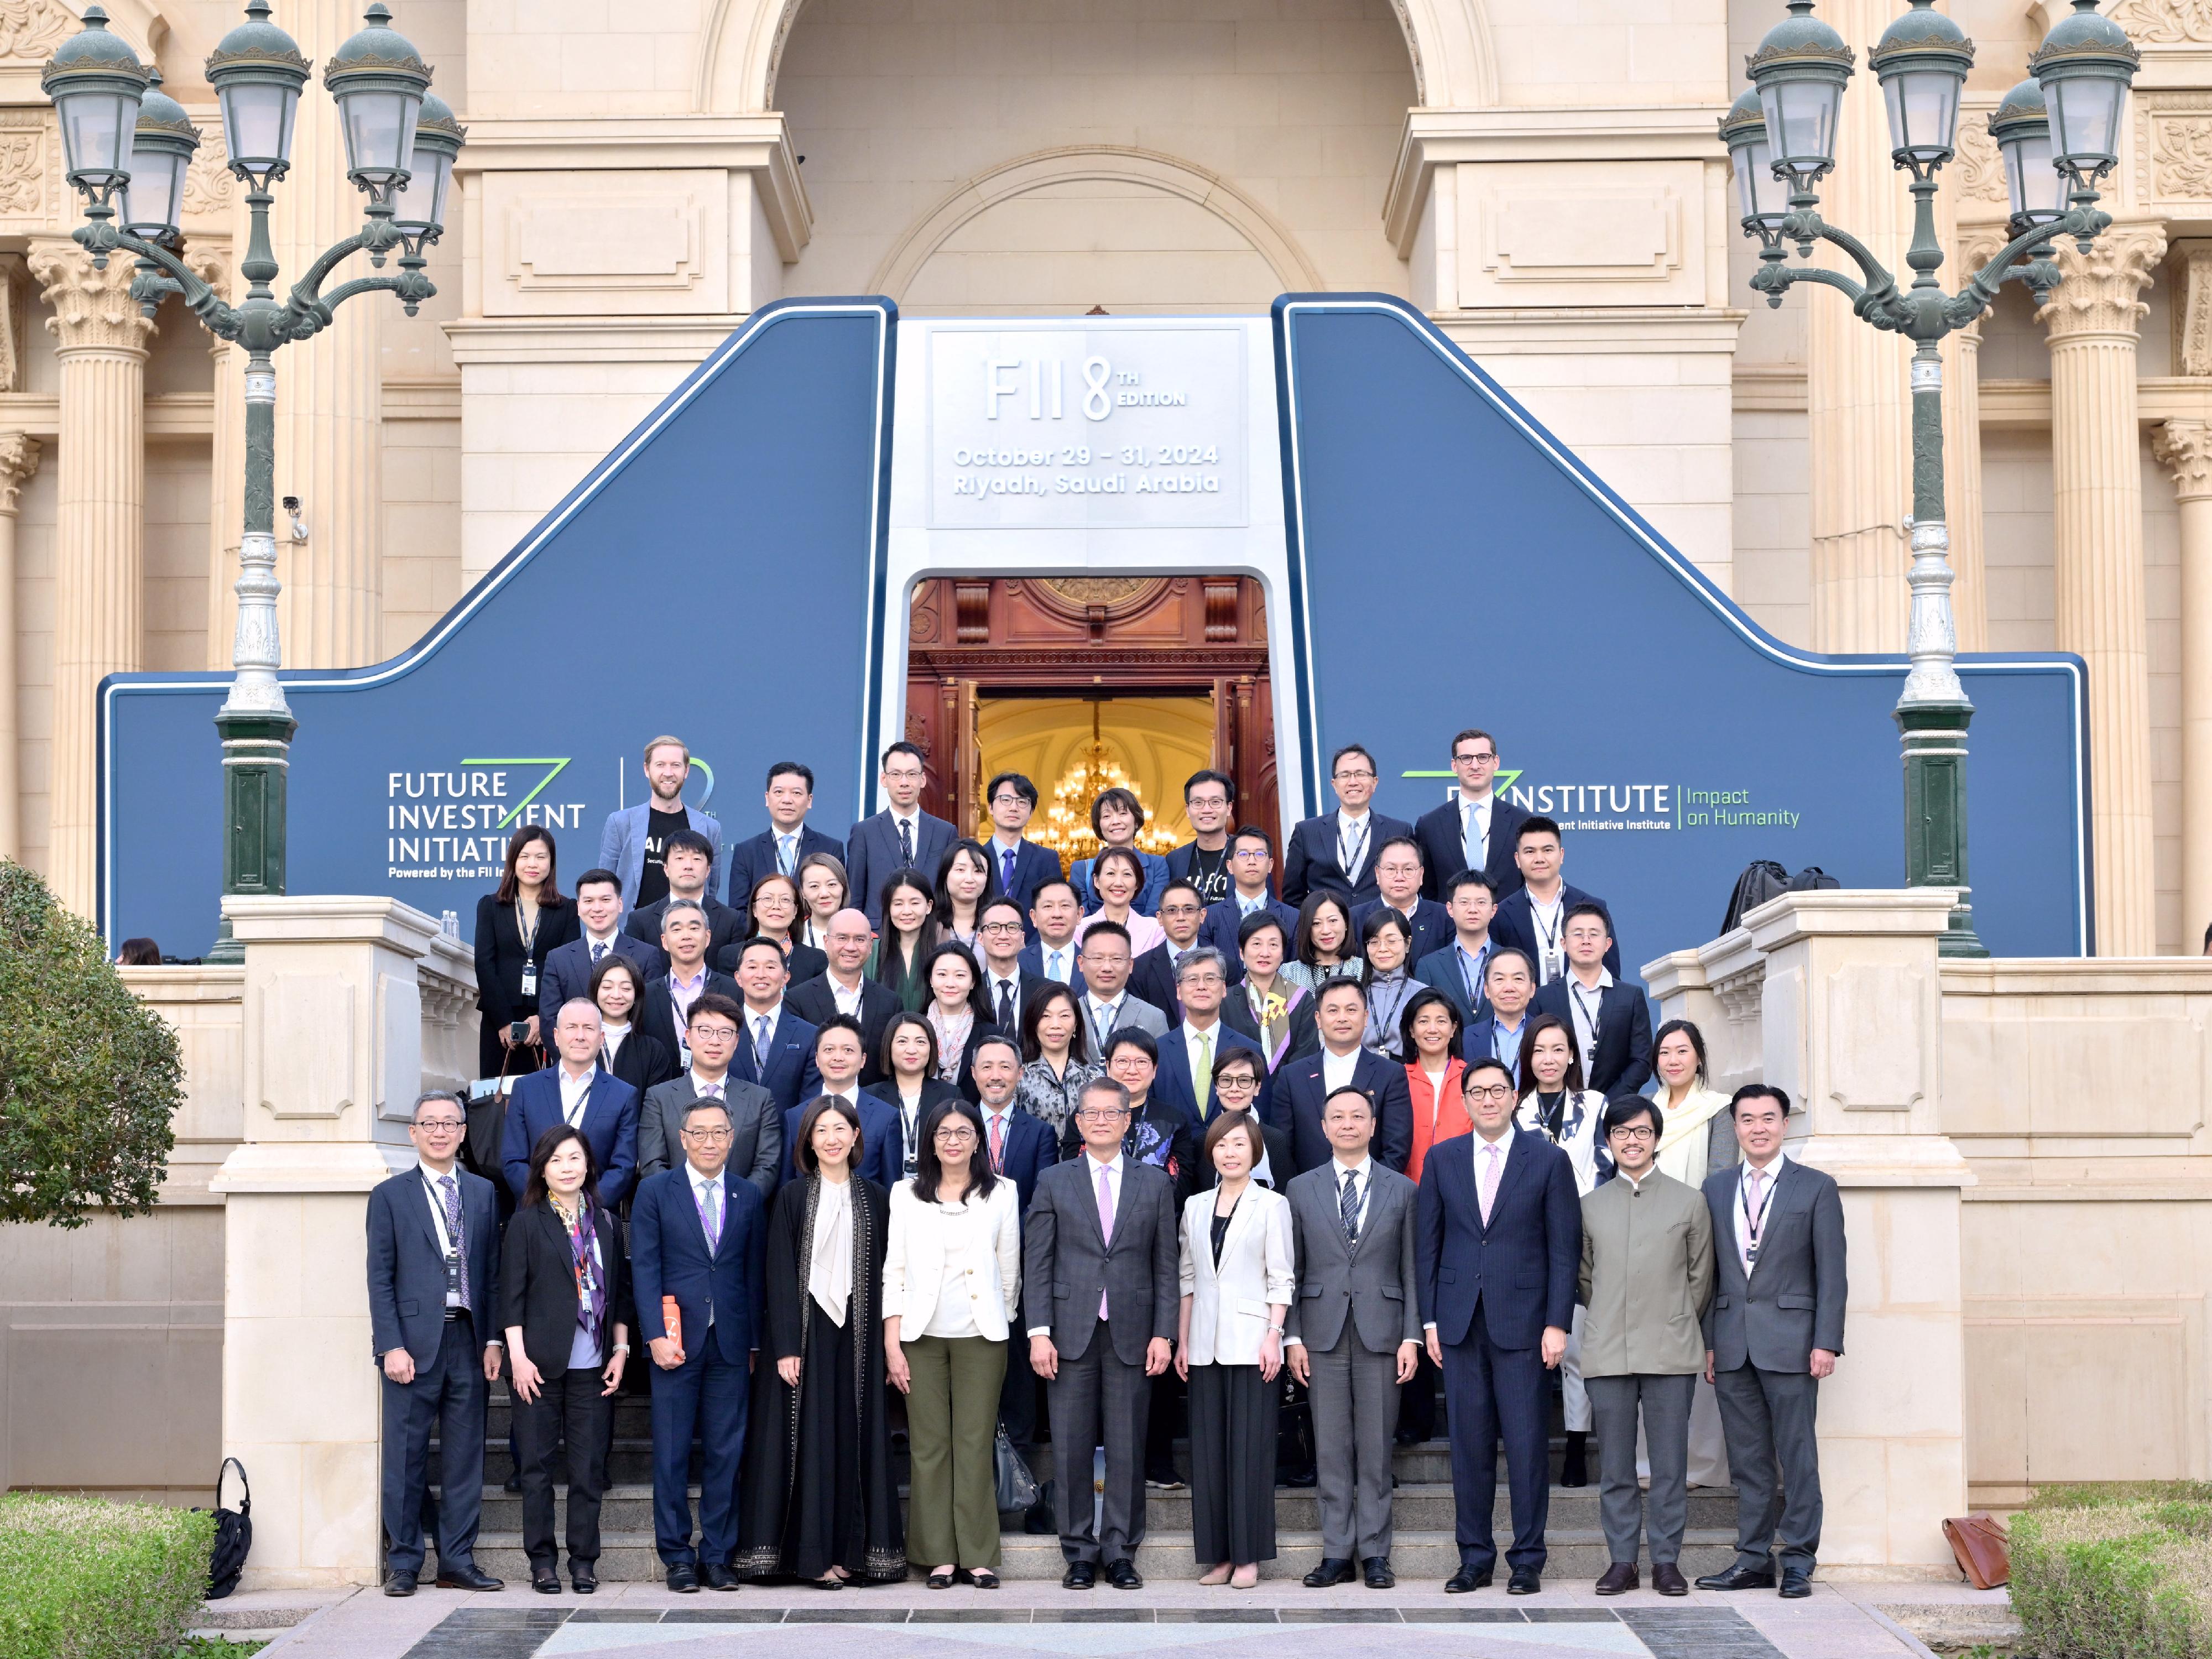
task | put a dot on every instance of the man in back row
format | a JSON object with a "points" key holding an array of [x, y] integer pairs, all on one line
{"points": [[778, 849], [633, 842], [900, 836]]}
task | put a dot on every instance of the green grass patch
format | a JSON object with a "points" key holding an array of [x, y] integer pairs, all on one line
{"points": [[2115, 1572], [84, 1578]]}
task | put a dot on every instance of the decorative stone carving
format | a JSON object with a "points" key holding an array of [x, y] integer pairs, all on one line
{"points": [[1097, 590], [19, 460], [2185, 449], [2164, 22], [2192, 316], [2099, 294], [1981, 169], [209, 187], [2181, 156], [30, 29], [93, 309]]}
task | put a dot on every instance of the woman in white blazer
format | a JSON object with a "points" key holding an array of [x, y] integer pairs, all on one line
{"points": [[1699, 1138], [1238, 1278], [952, 1277]]}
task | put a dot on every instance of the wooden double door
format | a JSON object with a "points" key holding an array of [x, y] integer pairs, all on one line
{"points": [[1084, 637]]}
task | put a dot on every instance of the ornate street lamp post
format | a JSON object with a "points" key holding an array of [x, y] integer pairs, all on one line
{"points": [[121, 137], [2058, 134]]}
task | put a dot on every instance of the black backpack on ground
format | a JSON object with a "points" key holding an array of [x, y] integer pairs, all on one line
{"points": [[1763, 879], [234, 1533]]}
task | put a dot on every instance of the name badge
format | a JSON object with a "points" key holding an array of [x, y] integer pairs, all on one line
{"points": [[1553, 965], [452, 1275], [530, 978]]}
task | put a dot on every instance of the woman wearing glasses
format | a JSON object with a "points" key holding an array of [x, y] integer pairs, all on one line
{"points": [[952, 1278]]}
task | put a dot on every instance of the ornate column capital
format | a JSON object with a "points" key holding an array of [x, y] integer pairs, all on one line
{"points": [[93, 309], [2185, 449], [19, 460], [2100, 293]]}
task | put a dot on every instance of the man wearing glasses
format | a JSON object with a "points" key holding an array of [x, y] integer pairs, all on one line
{"points": [[1647, 1276], [1152, 976], [1335, 853], [755, 1150], [1007, 986], [1102, 1293], [1251, 864], [1208, 797], [1190, 1052], [1018, 865], [900, 836], [1474, 830], [433, 1287]]}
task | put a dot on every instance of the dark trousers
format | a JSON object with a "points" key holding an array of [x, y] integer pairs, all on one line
{"points": [[1767, 1418], [1491, 1393], [1162, 1422], [449, 1394], [1232, 1464], [569, 1405], [1664, 1405], [1097, 1400], [709, 1394], [1017, 1397], [1417, 1401]]}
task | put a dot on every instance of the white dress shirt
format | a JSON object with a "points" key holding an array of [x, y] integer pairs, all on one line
{"points": [[1546, 921], [598, 948], [1474, 824], [1352, 836], [575, 1094], [701, 1187], [1584, 1002], [438, 1220], [847, 1001], [1336, 1069], [1481, 1156], [764, 1044], [1059, 961], [1364, 1172], [1769, 1178]]}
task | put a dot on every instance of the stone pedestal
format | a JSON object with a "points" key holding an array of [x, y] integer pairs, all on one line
{"points": [[332, 1063]]}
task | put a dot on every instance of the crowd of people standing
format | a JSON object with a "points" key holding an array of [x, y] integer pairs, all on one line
{"points": [[899, 1133]]}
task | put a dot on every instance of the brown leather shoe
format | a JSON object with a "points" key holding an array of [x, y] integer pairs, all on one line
{"points": [[1667, 1578], [1620, 1578]]}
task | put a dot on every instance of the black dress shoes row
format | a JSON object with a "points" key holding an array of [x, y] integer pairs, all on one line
{"points": [[546, 1578], [584, 1576], [1330, 1571], [1379, 1576], [1620, 1578], [1525, 1581], [1466, 1578], [1123, 1575], [399, 1584], [684, 1578], [1739, 1578], [468, 1577], [1667, 1578], [719, 1576], [1081, 1575], [1795, 1586]]}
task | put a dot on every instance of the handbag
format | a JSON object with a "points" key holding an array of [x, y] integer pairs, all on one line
{"points": [[1979, 1543], [1018, 1487], [234, 1533]]}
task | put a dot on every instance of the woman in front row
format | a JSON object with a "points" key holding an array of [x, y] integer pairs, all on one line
{"points": [[1237, 1281], [821, 1497], [564, 1302], [952, 1278]]}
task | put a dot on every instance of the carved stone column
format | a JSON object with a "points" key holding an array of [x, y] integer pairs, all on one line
{"points": [[330, 406], [2186, 446], [2096, 465], [19, 460], [99, 541]]}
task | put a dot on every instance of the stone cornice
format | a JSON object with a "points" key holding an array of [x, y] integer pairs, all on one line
{"points": [[93, 309], [2101, 293]]}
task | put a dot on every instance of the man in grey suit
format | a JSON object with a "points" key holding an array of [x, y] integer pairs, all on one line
{"points": [[1647, 1275], [1106, 1002], [631, 842], [900, 837], [1354, 1333], [755, 1122], [1774, 1330], [1102, 1293]]}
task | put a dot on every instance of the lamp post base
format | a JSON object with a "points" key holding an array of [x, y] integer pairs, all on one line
{"points": [[256, 765], [1935, 741]]}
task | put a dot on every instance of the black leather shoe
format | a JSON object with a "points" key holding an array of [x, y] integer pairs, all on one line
{"points": [[1379, 1576], [1620, 1579], [512, 1486], [1738, 1578], [718, 1576], [468, 1577], [1525, 1581], [1081, 1575], [1123, 1575], [1466, 1578], [1795, 1586], [1330, 1571], [584, 1578], [399, 1584], [684, 1578], [1667, 1578], [545, 1580], [1300, 1479]]}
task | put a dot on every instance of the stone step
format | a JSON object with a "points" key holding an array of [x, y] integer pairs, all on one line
{"points": [[1167, 1557], [1419, 1506]]}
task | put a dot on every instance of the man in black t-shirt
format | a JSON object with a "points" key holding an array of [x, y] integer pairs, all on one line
{"points": [[634, 844], [1203, 862]]}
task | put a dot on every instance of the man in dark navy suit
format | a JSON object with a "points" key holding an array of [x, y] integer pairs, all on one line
{"points": [[775, 1050], [1152, 975], [1208, 797], [1533, 918], [1459, 965], [433, 1293], [1508, 985], [1018, 865], [1476, 829], [901, 835], [1398, 884], [1197, 1043], [778, 849], [1051, 953], [569, 969], [665, 1014], [1610, 1019], [697, 1234], [1498, 1250], [1021, 1147], [574, 1090], [1335, 852], [1302, 1086], [688, 860], [847, 989], [1251, 866]]}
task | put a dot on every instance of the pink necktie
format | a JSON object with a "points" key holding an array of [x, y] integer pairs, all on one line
{"points": [[1490, 1171], [998, 1143], [1105, 1223]]}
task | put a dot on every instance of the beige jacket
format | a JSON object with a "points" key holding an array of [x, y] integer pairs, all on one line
{"points": [[1647, 1276]]}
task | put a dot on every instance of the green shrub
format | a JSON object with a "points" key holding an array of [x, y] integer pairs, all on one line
{"points": [[89, 1076], [84, 1578], [2115, 1573]]}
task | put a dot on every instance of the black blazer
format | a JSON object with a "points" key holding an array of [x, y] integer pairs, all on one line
{"points": [[754, 857], [1027, 985], [500, 956], [1443, 851], [657, 1018], [1299, 1092], [723, 925], [933, 1091], [1515, 924], [1309, 863], [537, 1284], [1153, 980], [1431, 924], [815, 1000], [1033, 865], [1622, 1064], [643, 1061]]}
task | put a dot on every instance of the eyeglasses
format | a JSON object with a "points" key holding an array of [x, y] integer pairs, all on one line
{"points": [[1237, 1082], [1102, 1114], [440, 1125], [1348, 777], [999, 928], [1490, 1092], [1202, 976], [726, 1033], [1634, 1132], [1474, 760], [1180, 910], [1252, 853], [707, 1137], [955, 1137]]}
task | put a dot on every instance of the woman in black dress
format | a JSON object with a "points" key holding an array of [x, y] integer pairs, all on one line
{"points": [[516, 929], [820, 1500]]}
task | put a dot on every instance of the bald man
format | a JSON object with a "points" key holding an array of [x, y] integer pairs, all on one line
{"points": [[846, 990]]}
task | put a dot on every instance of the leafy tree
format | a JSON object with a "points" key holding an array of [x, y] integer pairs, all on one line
{"points": [[90, 1078]]}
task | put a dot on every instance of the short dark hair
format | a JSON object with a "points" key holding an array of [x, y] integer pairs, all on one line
{"points": [[1102, 1084], [1385, 916], [1486, 1063], [687, 841], [1130, 1038], [1225, 1124], [747, 945], [551, 1141], [902, 747], [1055, 881], [1241, 1056], [1022, 787], [1339, 983], [1257, 921], [1419, 857], [1428, 997], [709, 1103], [1189, 887], [1686, 1029], [1500, 955], [714, 1002], [1079, 1040], [1537, 825], [999, 902], [1572, 1080], [430, 1095], [1470, 878], [1124, 798], [1120, 855], [802, 1156], [928, 1170], [1467, 735], [1360, 1095], [1358, 749], [1106, 929], [1003, 1039], [1588, 908], [1773, 1091], [1623, 1109], [1252, 832], [594, 877], [1207, 775], [842, 1023], [798, 769]]}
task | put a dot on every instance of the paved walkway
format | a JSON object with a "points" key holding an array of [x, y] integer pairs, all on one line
{"points": [[908, 1621]]}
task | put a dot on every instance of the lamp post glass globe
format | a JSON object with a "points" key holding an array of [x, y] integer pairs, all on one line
{"points": [[2033, 183], [1800, 71], [378, 80], [1921, 60], [257, 71], [418, 206], [96, 83], [2085, 67], [1760, 199], [161, 150]]}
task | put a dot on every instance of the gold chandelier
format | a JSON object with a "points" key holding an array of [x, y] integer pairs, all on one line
{"points": [[1066, 825]]}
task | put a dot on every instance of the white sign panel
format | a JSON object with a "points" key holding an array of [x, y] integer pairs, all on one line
{"points": [[1062, 427]]}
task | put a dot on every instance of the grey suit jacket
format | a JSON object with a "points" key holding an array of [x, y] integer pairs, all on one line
{"points": [[1134, 1014], [755, 1130], [1793, 1300], [1372, 1283], [1067, 1263]]}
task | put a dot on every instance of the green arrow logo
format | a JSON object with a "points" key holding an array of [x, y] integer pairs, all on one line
{"points": [[558, 766]]}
